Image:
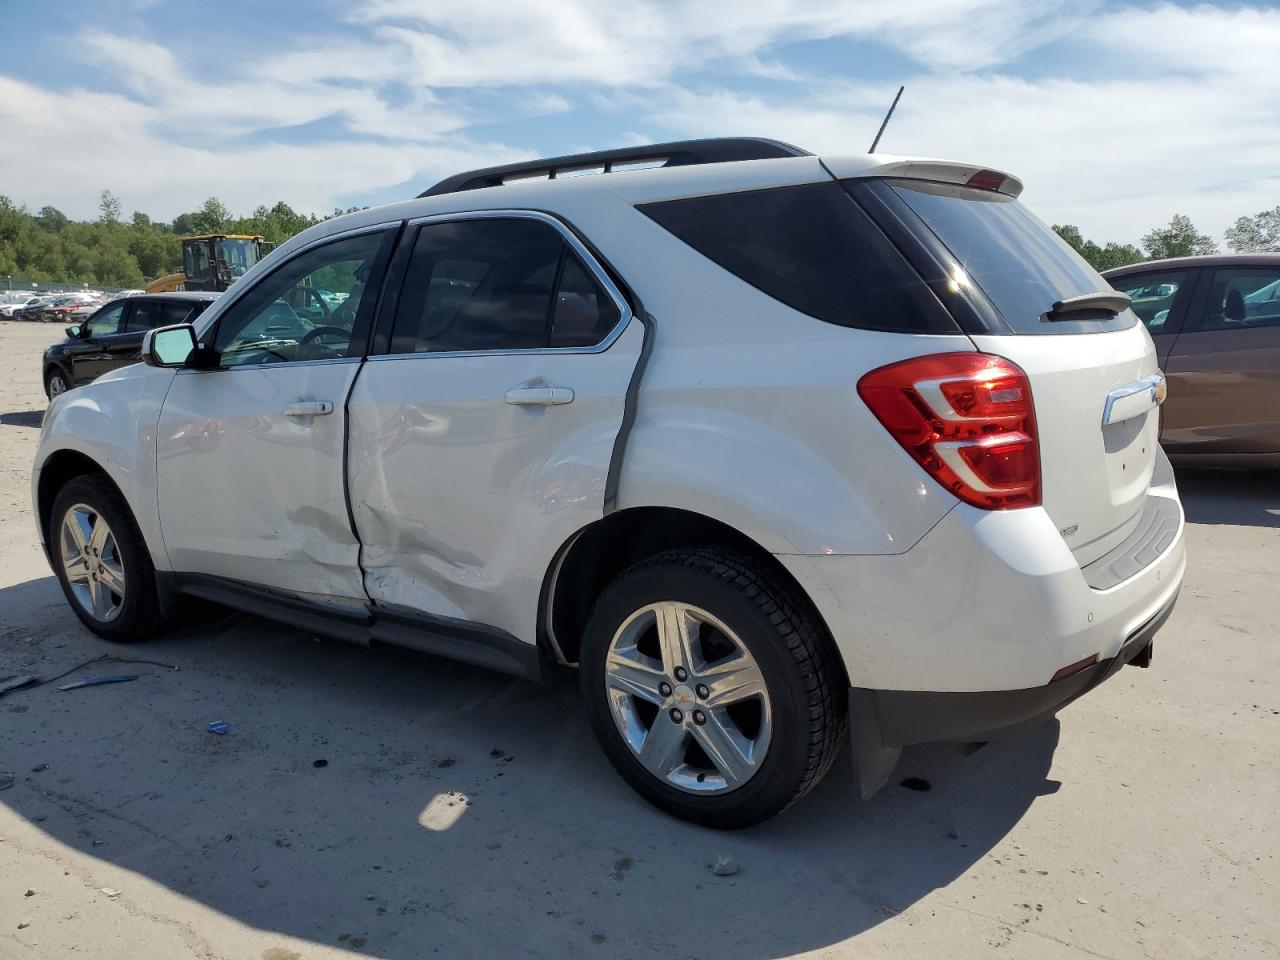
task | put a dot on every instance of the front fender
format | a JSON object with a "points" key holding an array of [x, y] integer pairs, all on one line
{"points": [[111, 422]]}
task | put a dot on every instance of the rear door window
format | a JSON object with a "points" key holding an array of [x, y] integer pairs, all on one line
{"points": [[498, 284], [1021, 265], [149, 314], [811, 247], [1154, 295], [1241, 298]]}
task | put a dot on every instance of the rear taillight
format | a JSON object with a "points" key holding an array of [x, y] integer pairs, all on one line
{"points": [[968, 419]]}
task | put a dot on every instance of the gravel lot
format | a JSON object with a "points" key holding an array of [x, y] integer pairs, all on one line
{"points": [[464, 814]]}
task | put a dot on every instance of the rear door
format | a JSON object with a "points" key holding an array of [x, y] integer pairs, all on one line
{"points": [[1224, 369], [1093, 373], [481, 438]]}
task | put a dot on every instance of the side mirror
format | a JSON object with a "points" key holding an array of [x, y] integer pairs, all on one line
{"points": [[73, 331], [169, 346]]}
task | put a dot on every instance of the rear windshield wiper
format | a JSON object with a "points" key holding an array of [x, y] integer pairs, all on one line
{"points": [[1100, 301]]}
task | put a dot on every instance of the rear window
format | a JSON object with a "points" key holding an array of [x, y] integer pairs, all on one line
{"points": [[1021, 265], [811, 247]]}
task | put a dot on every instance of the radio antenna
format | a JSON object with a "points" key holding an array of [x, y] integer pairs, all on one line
{"points": [[880, 132]]}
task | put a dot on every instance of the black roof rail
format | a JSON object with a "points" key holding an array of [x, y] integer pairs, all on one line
{"points": [[680, 153]]}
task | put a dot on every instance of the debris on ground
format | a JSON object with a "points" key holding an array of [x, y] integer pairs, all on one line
{"points": [[109, 891], [22, 925], [8, 684], [219, 727], [725, 866], [40, 768], [6, 781], [99, 681], [322, 762]]}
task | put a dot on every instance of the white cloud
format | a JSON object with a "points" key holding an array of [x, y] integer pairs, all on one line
{"points": [[1173, 109]]}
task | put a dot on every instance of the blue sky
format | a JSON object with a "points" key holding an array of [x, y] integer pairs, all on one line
{"points": [[1116, 116]]}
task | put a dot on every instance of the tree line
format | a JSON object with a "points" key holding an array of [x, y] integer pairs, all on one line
{"points": [[112, 251], [1256, 234]]}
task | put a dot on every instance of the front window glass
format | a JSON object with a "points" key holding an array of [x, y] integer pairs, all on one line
{"points": [[308, 309], [1152, 295], [237, 255], [105, 322]]}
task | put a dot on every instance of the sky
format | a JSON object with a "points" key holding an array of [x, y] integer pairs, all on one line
{"points": [[1116, 116]]}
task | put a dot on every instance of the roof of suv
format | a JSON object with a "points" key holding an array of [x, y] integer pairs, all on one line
{"points": [[1207, 260], [176, 295]]}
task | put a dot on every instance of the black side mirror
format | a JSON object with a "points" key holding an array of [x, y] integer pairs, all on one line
{"points": [[169, 346], [73, 331]]}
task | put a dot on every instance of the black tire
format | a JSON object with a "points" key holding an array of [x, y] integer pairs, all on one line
{"points": [[139, 613], [48, 381], [801, 668]]}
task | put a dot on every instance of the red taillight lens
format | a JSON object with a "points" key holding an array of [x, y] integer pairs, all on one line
{"points": [[968, 419]]}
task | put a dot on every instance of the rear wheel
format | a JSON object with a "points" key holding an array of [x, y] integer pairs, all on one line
{"points": [[713, 690], [102, 561]]}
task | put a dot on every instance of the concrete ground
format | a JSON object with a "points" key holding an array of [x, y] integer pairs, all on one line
{"points": [[463, 814]]}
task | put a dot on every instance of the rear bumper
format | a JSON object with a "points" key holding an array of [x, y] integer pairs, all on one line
{"points": [[912, 716]]}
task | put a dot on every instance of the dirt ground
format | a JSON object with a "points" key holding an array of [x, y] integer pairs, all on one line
{"points": [[463, 814]]}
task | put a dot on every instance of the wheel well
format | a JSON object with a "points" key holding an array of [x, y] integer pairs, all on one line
{"points": [[56, 472], [606, 548]]}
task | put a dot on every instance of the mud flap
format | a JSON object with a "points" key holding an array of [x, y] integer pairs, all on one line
{"points": [[873, 762]]}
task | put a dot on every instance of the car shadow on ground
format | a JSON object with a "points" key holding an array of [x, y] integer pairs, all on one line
{"points": [[395, 804], [22, 418], [1235, 497]]}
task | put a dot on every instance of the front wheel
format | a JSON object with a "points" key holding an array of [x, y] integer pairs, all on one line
{"points": [[102, 561], [56, 383], [714, 691]]}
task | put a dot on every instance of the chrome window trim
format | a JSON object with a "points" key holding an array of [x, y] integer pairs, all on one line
{"points": [[270, 366], [625, 315]]}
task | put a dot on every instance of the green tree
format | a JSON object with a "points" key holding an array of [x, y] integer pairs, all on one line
{"points": [[109, 207], [1100, 258], [1256, 234], [51, 218], [1179, 239]]}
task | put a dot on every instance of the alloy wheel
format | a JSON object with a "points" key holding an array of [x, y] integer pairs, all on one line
{"points": [[92, 563], [688, 698]]}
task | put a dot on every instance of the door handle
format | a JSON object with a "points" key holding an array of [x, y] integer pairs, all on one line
{"points": [[309, 408], [539, 396]]}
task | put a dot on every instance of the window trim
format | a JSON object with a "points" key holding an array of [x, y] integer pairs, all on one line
{"points": [[589, 260], [208, 332]]}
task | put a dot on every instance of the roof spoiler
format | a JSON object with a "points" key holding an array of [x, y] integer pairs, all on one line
{"points": [[944, 171], [681, 153]]}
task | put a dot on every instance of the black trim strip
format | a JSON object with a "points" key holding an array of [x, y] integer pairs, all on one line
{"points": [[630, 405], [361, 622]]}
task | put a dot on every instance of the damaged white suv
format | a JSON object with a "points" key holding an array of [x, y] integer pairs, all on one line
{"points": [[770, 446]]}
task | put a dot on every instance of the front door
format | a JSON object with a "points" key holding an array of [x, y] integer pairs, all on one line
{"points": [[481, 440], [251, 450], [1224, 370], [90, 354]]}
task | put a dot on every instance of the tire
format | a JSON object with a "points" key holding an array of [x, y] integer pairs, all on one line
{"points": [[798, 721], [131, 614], [54, 375]]}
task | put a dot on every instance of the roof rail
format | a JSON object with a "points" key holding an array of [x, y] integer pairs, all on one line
{"points": [[680, 153]]}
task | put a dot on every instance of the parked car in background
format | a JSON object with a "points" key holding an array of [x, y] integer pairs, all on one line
{"points": [[32, 309], [766, 449], [112, 337], [60, 309], [12, 301], [1215, 321]]}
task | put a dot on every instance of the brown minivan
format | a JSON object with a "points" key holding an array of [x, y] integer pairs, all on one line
{"points": [[1215, 321]]}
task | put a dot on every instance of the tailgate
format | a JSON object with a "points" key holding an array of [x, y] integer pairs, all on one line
{"points": [[1095, 475]]}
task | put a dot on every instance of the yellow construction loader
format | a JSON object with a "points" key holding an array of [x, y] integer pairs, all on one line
{"points": [[213, 262]]}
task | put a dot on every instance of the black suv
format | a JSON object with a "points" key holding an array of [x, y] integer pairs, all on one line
{"points": [[112, 337]]}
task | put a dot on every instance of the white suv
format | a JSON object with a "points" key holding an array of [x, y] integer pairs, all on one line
{"points": [[769, 446]]}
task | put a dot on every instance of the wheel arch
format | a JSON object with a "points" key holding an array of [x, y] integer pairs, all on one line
{"points": [[599, 552], [59, 469]]}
